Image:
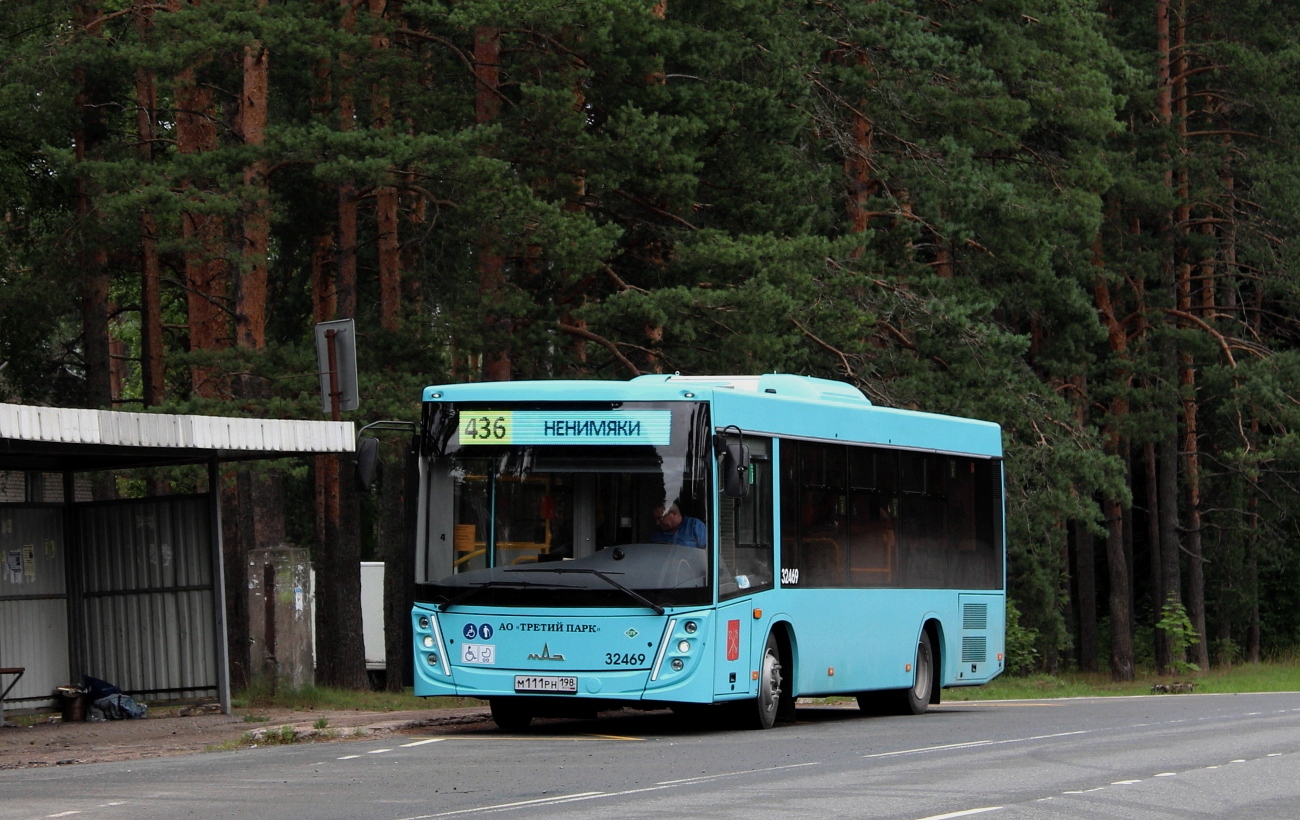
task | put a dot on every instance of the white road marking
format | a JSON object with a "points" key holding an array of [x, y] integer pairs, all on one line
{"points": [[1166, 774], [705, 777], [515, 805], [349, 757], [1275, 754], [378, 751], [1074, 791], [422, 742], [974, 743], [1211, 767], [573, 798], [1125, 782], [63, 814], [966, 745], [1238, 760], [965, 813]]}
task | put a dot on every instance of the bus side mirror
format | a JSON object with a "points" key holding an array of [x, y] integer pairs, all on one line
{"points": [[367, 460], [734, 470]]}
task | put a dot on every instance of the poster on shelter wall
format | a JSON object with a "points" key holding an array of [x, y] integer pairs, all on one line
{"points": [[29, 562], [14, 566]]}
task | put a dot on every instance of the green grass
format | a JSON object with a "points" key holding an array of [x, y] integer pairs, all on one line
{"points": [[1269, 676], [309, 698]]}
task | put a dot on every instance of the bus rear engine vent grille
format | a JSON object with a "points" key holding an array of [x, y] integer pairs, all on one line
{"points": [[975, 616], [974, 649]]}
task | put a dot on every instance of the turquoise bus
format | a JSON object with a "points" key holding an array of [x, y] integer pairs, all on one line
{"points": [[690, 541]]}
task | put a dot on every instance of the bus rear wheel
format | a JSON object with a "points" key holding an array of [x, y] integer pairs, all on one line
{"points": [[917, 699], [770, 688], [912, 701], [510, 715]]}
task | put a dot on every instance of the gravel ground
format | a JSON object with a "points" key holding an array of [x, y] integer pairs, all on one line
{"points": [[169, 733]]}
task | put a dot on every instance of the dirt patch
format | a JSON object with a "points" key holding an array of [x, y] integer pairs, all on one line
{"points": [[58, 744]]}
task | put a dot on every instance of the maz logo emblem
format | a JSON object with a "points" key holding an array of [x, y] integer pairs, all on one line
{"points": [[546, 655]]}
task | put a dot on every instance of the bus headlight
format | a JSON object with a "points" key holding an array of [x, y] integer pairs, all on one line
{"points": [[433, 659], [428, 642], [424, 621], [677, 664], [684, 647], [690, 627]]}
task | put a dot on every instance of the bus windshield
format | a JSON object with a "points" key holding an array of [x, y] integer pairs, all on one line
{"points": [[545, 505]]}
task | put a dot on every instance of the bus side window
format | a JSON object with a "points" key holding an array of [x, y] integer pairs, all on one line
{"points": [[926, 553], [873, 518], [823, 510]]}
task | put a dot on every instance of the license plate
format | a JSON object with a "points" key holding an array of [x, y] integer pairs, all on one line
{"points": [[546, 683], [484, 653]]}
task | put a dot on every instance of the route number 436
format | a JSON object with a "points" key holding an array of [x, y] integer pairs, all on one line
{"points": [[486, 428]]}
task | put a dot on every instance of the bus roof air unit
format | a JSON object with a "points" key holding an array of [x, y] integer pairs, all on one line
{"points": [[780, 384]]}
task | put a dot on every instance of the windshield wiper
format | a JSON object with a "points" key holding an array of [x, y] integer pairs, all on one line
{"points": [[632, 593], [450, 602]]}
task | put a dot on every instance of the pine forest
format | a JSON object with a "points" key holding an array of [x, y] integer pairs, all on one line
{"points": [[1076, 218]]}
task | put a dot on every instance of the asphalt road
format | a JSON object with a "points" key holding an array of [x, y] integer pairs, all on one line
{"points": [[1148, 757]]}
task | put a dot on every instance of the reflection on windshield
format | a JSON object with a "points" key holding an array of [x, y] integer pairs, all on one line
{"points": [[518, 510]]}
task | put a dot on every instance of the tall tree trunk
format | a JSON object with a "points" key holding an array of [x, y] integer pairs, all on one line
{"points": [[1126, 516], [1164, 663], [250, 307], [1187, 368], [205, 265], [323, 302], [1121, 628], [92, 258], [345, 285], [323, 296], [857, 166], [393, 551], [340, 659], [1117, 557], [390, 259], [497, 365], [1169, 536], [1085, 570], [1252, 559], [152, 367]]}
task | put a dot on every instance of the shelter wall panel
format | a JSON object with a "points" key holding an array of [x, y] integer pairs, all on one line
{"points": [[34, 635], [33, 602], [148, 595]]}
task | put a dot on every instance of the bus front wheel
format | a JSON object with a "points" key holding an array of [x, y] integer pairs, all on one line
{"points": [[510, 715], [770, 683]]}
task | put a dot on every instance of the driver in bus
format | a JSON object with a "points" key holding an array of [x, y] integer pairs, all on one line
{"points": [[674, 528]]}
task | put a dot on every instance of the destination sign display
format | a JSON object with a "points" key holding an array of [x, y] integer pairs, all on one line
{"points": [[565, 427]]}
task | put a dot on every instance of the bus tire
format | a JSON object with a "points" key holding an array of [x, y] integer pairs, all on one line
{"points": [[510, 715], [911, 701], [771, 685], [917, 699]]}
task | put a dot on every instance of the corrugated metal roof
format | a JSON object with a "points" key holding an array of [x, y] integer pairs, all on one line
{"points": [[64, 425]]}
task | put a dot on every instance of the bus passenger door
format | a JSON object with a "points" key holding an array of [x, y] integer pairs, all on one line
{"points": [[744, 567], [733, 662]]}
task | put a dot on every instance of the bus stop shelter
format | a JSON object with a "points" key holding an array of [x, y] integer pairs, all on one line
{"points": [[131, 590]]}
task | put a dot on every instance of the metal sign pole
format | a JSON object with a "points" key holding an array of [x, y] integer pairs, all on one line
{"points": [[335, 413]]}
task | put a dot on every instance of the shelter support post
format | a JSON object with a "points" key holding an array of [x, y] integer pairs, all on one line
{"points": [[219, 586], [73, 555]]}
